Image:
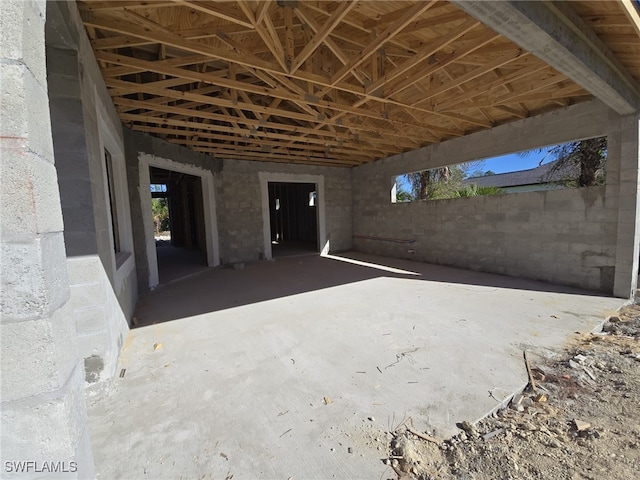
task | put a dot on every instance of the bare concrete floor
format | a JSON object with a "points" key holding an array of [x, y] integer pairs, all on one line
{"points": [[247, 356], [175, 263]]}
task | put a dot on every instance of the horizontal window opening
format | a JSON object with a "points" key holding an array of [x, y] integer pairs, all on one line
{"points": [[580, 163]]}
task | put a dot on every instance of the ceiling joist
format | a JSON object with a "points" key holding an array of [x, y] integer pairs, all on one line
{"points": [[335, 84]]}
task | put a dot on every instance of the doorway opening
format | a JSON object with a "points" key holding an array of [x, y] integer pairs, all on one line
{"points": [[179, 225], [293, 214]]}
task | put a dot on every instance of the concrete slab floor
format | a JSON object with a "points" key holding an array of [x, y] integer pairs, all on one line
{"points": [[247, 357], [175, 263]]}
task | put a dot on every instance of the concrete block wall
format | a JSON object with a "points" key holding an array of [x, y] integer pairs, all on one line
{"points": [[137, 144], [239, 206], [103, 287], [564, 236], [237, 199], [626, 145], [561, 236], [100, 321], [43, 410]]}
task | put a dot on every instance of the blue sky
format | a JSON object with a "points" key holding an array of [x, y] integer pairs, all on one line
{"points": [[514, 162]]}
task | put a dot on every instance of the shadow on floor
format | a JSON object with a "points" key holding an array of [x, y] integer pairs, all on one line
{"points": [[223, 288], [175, 263], [288, 249]]}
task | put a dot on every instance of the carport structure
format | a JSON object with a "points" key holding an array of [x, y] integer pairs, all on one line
{"points": [[240, 95], [345, 83]]}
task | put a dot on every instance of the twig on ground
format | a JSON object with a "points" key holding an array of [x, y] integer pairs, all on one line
{"points": [[423, 436], [532, 382]]}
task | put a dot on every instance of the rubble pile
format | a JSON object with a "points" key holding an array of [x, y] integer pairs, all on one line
{"points": [[578, 418]]}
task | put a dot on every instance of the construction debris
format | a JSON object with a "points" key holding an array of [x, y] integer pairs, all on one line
{"points": [[542, 434], [580, 425]]}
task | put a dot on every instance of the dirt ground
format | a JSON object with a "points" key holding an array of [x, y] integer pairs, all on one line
{"points": [[582, 421]]}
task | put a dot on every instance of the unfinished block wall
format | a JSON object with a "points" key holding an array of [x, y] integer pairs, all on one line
{"points": [[43, 401], [237, 201], [240, 208], [84, 123], [561, 236]]}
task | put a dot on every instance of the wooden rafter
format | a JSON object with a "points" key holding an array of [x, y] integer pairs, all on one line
{"points": [[305, 82]]}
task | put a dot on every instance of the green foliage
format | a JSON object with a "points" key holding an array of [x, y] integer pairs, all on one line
{"points": [[441, 183], [160, 210], [589, 157], [583, 161], [474, 190]]}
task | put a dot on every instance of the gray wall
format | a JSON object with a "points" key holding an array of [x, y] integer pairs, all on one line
{"points": [[137, 143], [239, 206], [103, 287], [561, 236], [238, 199], [43, 402]]}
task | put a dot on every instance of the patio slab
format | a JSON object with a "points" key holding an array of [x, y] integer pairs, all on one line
{"points": [[244, 359]]}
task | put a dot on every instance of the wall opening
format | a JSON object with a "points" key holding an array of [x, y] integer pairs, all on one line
{"points": [[179, 225], [293, 218], [579, 163], [115, 231], [317, 199]]}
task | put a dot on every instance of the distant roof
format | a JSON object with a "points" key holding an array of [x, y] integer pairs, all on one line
{"points": [[533, 176]]}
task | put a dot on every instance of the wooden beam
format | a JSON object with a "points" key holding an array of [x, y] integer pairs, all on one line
{"points": [[423, 54], [248, 11], [120, 4], [337, 147], [207, 100], [447, 60], [276, 48], [494, 84], [393, 29], [332, 45], [321, 34], [473, 74], [225, 82], [158, 36], [215, 9], [289, 45], [263, 9]]}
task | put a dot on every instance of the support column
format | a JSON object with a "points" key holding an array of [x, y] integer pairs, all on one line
{"points": [[626, 277], [44, 420]]}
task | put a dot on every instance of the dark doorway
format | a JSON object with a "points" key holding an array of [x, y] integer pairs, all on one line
{"points": [[294, 218], [178, 217]]}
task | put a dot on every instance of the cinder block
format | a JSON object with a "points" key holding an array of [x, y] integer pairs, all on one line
{"points": [[37, 355], [30, 193], [89, 320], [29, 290], [22, 35], [67, 110], [88, 295], [85, 269], [25, 112], [80, 243], [62, 62], [45, 427]]}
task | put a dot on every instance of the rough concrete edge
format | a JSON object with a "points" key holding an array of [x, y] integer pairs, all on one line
{"points": [[597, 330]]}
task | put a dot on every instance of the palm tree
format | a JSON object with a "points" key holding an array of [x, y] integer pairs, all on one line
{"points": [[589, 155], [422, 183], [586, 156]]}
